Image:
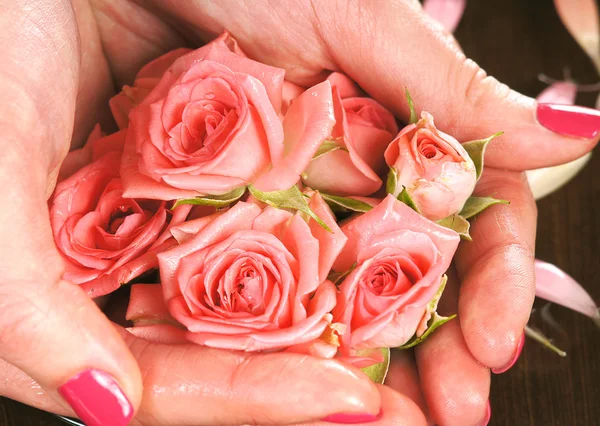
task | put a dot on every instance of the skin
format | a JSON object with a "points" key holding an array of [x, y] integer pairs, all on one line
{"points": [[61, 64]]}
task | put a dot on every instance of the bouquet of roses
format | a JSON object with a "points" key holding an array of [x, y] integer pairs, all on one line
{"points": [[279, 217]]}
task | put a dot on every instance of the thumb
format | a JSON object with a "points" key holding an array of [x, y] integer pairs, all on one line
{"points": [[49, 328], [389, 46]]}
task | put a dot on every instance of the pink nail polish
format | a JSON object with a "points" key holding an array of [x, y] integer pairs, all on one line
{"points": [[514, 359], [488, 415], [352, 418], [97, 399], [569, 120]]}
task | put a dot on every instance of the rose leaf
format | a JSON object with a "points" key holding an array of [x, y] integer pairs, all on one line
{"points": [[476, 150], [328, 145], [392, 182], [378, 372], [406, 199], [476, 205], [290, 198], [411, 107], [435, 321], [347, 203], [458, 224], [214, 200]]}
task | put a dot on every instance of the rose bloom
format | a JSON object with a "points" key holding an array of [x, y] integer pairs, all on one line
{"points": [[397, 259], [435, 169], [249, 278], [363, 131], [105, 239], [212, 123]]}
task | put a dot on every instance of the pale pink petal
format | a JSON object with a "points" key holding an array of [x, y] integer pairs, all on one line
{"points": [[446, 12], [554, 285], [147, 306], [290, 92], [157, 67], [345, 85], [316, 348], [307, 124], [581, 19], [160, 333], [562, 92]]}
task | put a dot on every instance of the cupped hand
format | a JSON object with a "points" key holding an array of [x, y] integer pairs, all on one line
{"points": [[57, 86]]}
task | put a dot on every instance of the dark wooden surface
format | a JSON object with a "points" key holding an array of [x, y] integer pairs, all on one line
{"points": [[514, 40]]}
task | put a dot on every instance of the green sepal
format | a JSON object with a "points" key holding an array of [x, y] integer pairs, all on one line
{"points": [[406, 199], [377, 372], [337, 277], [391, 182], [435, 322], [326, 147], [290, 198], [458, 224], [476, 150], [476, 205], [411, 106], [218, 201], [347, 203], [540, 338]]}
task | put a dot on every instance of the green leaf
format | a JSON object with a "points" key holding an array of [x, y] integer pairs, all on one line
{"points": [[458, 224], [476, 205], [347, 203], [214, 200], [405, 198], [328, 146], [476, 150], [377, 372], [540, 338], [337, 277], [392, 181], [435, 322], [411, 107], [290, 198]]}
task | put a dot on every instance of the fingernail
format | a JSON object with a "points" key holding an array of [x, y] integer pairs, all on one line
{"points": [[352, 418], [97, 399], [488, 415], [514, 358], [569, 120]]}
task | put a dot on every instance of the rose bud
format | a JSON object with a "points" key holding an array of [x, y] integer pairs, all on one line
{"points": [[395, 260], [353, 161], [438, 174]]}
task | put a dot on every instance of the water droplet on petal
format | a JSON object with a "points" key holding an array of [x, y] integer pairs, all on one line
{"points": [[209, 96]]}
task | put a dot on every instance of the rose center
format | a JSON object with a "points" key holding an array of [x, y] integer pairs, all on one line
{"points": [[201, 123], [429, 149], [380, 278], [117, 218], [244, 292]]}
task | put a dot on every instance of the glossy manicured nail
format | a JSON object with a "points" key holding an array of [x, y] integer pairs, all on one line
{"points": [[352, 418], [569, 120], [488, 415], [97, 399], [514, 358]]}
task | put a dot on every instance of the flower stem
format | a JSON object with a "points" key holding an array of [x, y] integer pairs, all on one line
{"points": [[540, 338]]}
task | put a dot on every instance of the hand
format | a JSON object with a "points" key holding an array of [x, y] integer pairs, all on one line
{"points": [[54, 86], [385, 47]]}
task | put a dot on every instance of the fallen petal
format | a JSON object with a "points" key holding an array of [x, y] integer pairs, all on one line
{"points": [[554, 285], [561, 92]]}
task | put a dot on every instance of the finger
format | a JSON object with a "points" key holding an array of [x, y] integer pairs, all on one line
{"points": [[496, 271], [369, 42], [194, 385], [455, 385], [403, 378], [50, 328]]}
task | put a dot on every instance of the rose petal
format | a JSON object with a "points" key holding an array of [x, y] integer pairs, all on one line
{"points": [[554, 285], [581, 19], [446, 12], [562, 92]]}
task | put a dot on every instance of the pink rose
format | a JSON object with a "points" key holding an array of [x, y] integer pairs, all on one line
{"points": [[105, 240], [246, 279], [399, 258], [212, 124], [435, 169], [363, 131]]}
